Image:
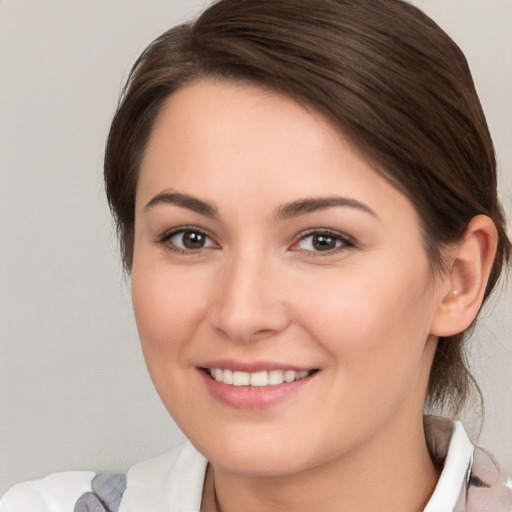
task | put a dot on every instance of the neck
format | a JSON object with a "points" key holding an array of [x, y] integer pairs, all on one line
{"points": [[382, 475]]}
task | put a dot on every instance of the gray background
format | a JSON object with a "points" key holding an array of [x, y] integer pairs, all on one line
{"points": [[74, 393]]}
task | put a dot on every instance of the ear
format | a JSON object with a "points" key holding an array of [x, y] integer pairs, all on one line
{"points": [[462, 291]]}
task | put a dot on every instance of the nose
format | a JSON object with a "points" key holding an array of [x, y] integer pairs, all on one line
{"points": [[251, 299]]}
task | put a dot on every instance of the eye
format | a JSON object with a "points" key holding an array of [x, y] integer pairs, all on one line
{"points": [[322, 241], [186, 239]]}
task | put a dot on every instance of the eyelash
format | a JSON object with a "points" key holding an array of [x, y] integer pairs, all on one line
{"points": [[165, 238], [344, 241]]}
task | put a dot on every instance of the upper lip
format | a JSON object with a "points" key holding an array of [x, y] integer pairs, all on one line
{"points": [[252, 366]]}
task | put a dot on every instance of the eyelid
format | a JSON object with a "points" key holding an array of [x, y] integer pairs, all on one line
{"points": [[164, 237], [347, 241]]}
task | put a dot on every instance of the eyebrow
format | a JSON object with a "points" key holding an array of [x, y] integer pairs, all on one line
{"points": [[310, 205], [286, 211], [185, 201]]}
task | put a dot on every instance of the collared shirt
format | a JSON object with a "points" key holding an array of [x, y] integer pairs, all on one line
{"points": [[471, 481]]}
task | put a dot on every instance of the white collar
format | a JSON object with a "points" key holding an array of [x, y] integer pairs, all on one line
{"points": [[457, 464], [172, 481]]}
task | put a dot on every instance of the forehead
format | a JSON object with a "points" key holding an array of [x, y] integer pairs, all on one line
{"points": [[224, 124], [218, 115], [249, 147]]}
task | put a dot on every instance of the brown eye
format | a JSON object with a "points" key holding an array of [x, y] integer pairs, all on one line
{"points": [[323, 241], [193, 240], [188, 240]]}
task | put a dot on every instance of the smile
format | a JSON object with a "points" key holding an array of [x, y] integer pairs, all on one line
{"points": [[257, 379]]}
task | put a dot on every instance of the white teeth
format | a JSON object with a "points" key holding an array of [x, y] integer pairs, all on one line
{"points": [[256, 379], [227, 377], [241, 378], [259, 379], [289, 376], [275, 377]]}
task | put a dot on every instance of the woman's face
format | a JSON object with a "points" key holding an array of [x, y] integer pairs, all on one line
{"points": [[268, 250]]}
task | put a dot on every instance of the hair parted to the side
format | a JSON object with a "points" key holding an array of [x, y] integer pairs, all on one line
{"points": [[396, 85]]}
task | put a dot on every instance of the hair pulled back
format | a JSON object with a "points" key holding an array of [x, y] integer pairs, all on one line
{"points": [[395, 84]]}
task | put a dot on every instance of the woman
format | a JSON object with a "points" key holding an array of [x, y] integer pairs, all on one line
{"points": [[306, 203]]}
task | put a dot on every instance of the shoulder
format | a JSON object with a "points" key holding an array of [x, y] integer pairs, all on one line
{"points": [[58, 491], [174, 478], [73, 491], [471, 479], [488, 483]]}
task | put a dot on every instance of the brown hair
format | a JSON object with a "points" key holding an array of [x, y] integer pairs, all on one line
{"points": [[397, 86]]}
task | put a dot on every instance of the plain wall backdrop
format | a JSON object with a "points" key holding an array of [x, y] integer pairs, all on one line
{"points": [[74, 393]]}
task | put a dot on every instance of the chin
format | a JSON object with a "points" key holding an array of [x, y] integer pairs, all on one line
{"points": [[261, 465], [257, 455]]}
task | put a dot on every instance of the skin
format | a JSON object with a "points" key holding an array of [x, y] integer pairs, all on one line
{"points": [[362, 314]]}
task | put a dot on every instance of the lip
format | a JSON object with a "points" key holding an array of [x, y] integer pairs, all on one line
{"points": [[251, 397], [251, 366]]}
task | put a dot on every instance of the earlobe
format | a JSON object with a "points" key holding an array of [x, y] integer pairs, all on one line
{"points": [[470, 264]]}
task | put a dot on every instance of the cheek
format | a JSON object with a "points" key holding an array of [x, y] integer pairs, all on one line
{"points": [[370, 321], [167, 307], [168, 310]]}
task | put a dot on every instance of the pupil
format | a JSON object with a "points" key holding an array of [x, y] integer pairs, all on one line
{"points": [[193, 240], [324, 242]]}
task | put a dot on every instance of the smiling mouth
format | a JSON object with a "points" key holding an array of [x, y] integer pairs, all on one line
{"points": [[257, 379]]}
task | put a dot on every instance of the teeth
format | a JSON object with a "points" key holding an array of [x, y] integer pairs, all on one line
{"points": [[239, 378], [289, 376], [275, 377], [259, 379], [227, 377], [256, 379]]}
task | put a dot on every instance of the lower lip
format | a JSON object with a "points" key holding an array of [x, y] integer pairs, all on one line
{"points": [[253, 397]]}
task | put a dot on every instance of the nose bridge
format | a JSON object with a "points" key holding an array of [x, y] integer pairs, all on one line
{"points": [[250, 301]]}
